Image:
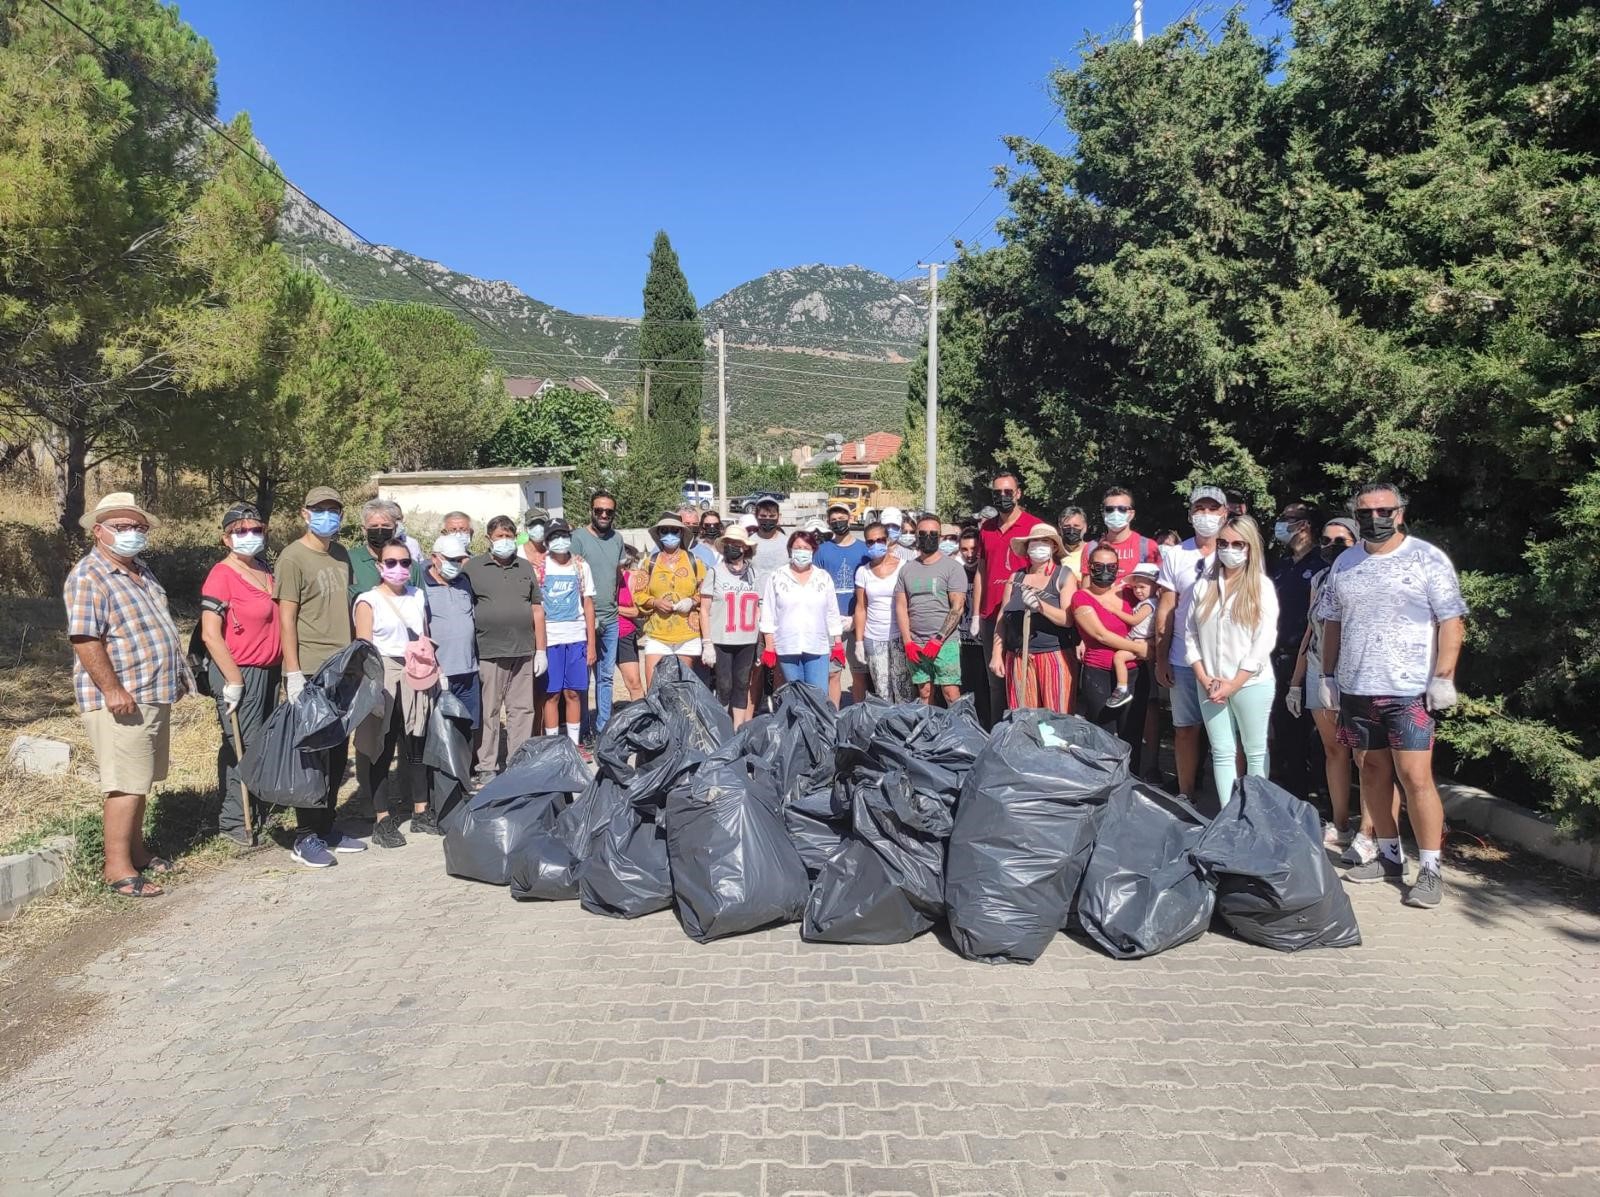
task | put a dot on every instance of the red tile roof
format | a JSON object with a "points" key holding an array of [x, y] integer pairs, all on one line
{"points": [[880, 446]]}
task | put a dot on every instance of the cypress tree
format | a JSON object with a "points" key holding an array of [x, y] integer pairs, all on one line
{"points": [[672, 347]]}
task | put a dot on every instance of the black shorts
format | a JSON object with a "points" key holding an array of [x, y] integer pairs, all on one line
{"points": [[628, 648], [734, 663], [1385, 723]]}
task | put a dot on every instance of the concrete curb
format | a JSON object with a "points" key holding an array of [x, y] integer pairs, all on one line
{"points": [[1516, 825], [32, 874]]}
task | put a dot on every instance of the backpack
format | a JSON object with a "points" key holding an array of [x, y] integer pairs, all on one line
{"points": [[199, 656]]}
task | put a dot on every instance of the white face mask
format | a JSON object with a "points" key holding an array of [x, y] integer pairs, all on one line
{"points": [[1116, 521], [536, 533], [1233, 558], [503, 547], [560, 545], [129, 545], [248, 543], [1040, 552], [800, 557], [1207, 523], [448, 569]]}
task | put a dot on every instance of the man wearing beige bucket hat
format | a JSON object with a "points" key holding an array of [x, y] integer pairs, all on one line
{"points": [[129, 669]]}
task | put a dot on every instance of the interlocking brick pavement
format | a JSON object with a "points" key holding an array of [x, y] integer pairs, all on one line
{"points": [[381, 1028]]}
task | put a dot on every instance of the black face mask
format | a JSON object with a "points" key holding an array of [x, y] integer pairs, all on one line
{"points": [[710, 533], [1005, 502], [1330, 552], [767, 523], [1103, 574], [1375, 530], [733, 554], [1072, 535], [839, 527], [927, 542], [378, 537]]}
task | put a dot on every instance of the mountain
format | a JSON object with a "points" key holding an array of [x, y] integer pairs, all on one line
{"points": [[811, 350]]}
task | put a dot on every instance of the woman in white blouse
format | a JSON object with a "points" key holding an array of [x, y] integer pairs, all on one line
{"points": [[800, 626], [875, 616], [1231, 630]]}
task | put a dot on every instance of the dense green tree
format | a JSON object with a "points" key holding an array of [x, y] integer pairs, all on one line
{"points": [[672, 348], [560, 427]]}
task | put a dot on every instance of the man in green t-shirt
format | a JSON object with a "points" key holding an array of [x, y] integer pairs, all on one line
{"points": [[600, 545], [312, 586], [380, 522]]}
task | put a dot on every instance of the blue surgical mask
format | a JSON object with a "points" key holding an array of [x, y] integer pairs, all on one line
{"points": [[249, 543], [948, 547], [325, 523], [536, 533], [504, 547], [877, 551], [1280, 532], [449, 570], [1116, 521], [670, 540], [907, 540], [129, 544], [800, 557], [560, 544]]}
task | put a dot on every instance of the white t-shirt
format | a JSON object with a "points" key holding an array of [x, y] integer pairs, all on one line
{"points": [[880, 602], [801, 615], [1387, 606], [388, 631], [563, 590], [1181, 568], [735, 604]]}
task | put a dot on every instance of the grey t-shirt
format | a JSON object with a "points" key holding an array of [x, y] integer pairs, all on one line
{"points": [[450, 623], [770, 554], [928, 589], [735, 604], [604, 555]]}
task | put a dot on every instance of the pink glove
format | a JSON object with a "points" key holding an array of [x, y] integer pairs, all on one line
{"points": [[913, 651], [838, 652]]}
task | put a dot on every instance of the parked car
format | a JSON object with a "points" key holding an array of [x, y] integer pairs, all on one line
{"points": [[747, 503], [699, 493]]}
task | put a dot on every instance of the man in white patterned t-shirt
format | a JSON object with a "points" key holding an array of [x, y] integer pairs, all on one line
{"points": [[1393, 611]]}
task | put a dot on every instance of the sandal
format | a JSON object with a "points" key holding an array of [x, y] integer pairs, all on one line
{"points": [[160, 866], [135, 887]]}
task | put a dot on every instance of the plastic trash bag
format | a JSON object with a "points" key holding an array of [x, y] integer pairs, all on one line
{"points": [[352, 682], [733, 866], [626, 875], [1024, 830], [447, 753], [815, 829], [487, 833], [542, 765], [1275, 884], [580, 823], [277, 768], [803, 725], [1143, 891], [543, 870]]}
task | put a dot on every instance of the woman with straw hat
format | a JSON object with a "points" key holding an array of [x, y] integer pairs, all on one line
{"points": [[666, 587], [1038, 596], [730, 605]]}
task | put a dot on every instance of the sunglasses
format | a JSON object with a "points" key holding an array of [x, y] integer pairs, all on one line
{"points": [[1233, 544], [121, 527], [877, 540], [1329, 541], [1110, 507], [602, 511], [1382, 513], [1004, 494], [405, 561]]}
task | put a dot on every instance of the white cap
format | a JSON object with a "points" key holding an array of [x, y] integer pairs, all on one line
{"points": [[1146, 569], [450, 544], [747, 521], [889, 515]]}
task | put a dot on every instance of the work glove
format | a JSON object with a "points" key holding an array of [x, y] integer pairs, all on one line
{"points": [[708, 655], [232, 696], [293, 683], [913, 652], [858, 655], [930, 650], [1328, 692], [683, 606], [1441, 694], [1030, 598], [769, 658], [541, 662], [1295, 700], [837, 652]]}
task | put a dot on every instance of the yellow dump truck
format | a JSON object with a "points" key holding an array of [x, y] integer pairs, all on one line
{"points": [[861, 497]]}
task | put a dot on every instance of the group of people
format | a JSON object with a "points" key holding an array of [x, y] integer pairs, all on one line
{"points": [[1350, 621]]}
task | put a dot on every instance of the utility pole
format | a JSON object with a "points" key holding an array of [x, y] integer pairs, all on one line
{"points": [[645, 414], [1138, 22], [722, 424], [930, 484]]}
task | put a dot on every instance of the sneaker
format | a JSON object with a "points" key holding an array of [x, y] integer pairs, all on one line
{"points": [[1427, 891], [1362, 849], [587, 753], [310, 851], [340, 842], [386, 833], [427, 823], [1120, 697], [1380, 868]]}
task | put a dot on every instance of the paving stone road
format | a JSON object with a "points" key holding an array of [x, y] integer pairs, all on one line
{"points": [[380, 1028]]}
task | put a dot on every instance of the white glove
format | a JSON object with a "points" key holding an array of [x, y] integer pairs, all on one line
{"points": [[1030, 598], [232, 696], [1328, 692], [540, 663], [1441, 694], [1295, 700], [683, 606], [858, 655], [708, 654], [294, 683]]}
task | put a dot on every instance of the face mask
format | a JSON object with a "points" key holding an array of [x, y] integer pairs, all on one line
{"points": [[1103, 574], [766, 522], [503, 547], [1233, 558], [877, 551], [948, 547], [1330, 552], [325, 523], [670, 540], [1005, 502], [1040, 552], [1116, 521], [1072, 535], [839, 527], [560, 545], [927, 542], [800, 557], [711, 533], [395, 573], [378, 537], [129, 544], [449, 570], [1206, 523], [906, 540], [1373, 529], [249, 543], [1280, 532], [733, 554], [536, 533]]}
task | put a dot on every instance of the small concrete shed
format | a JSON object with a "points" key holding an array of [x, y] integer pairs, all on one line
{"points": [[427, 495]]}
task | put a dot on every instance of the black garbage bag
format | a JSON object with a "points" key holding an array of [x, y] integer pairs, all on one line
{"points": [[733, 867], [681, 696], [541, 765], [626, 874], [900, 771], [586, 818], [447, 753], [487, 833], [816, 827], [352, 681], [803, 725], [1023, 832], [1275, 885], [1143, 891], [543, 870], [278, 768]]}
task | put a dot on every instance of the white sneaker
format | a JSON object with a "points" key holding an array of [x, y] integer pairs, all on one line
{"points": [[1363, 848], [1330, 836]]}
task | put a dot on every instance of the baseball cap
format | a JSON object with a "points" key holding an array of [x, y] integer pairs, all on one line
{"points": [[322, 494], [240, 511], [534, 515], [1146, 569], [1214, 493], [450, 544], [558, 528], [844, 507], [766, 501]]}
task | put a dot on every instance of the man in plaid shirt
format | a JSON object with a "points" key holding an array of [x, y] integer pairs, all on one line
{"points": [[130, 669]]}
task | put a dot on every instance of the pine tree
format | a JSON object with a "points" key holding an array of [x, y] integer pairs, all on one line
{"points": [[672, 348]]}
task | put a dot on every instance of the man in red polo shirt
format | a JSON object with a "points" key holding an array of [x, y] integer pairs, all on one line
{"points": [[999, 563], [1117, 514]]}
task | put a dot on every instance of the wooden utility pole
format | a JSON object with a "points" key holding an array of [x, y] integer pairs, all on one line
{"points": [[930, 484], [722, 424], [645, 414]]}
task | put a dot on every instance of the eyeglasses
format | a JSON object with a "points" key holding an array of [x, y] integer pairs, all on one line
{"points": [[1004, 494], [247, 531], [877, 540], [405, 561], [602, 511], [1382, 513], [1233, 544], [1110, 507], [122, 526], [1330, 541]]}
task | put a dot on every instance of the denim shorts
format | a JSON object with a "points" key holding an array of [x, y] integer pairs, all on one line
{"points": [[1185, 698], [1402, 724]]}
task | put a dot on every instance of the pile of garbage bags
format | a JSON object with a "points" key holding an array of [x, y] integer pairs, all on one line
{"points": [[877, 824]]}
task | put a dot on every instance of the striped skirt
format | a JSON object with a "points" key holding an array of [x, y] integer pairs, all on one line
{"points": [[1051, 685]]}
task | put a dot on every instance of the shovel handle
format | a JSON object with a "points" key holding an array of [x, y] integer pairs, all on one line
{"points": [[238, 756], [1027, 656]]}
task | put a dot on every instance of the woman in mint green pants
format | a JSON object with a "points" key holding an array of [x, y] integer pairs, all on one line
{"points": [[1231, 630]]}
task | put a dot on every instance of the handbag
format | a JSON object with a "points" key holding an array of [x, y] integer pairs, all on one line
{"points": [[421, 670]]}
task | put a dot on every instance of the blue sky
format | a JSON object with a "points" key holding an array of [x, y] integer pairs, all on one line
{"points": [[545, 143]]}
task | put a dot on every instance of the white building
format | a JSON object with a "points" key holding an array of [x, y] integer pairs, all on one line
{"points": [[426, 496]]}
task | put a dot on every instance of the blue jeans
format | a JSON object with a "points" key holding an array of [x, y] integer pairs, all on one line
{"points": [[605, 671], [810, 668]]}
